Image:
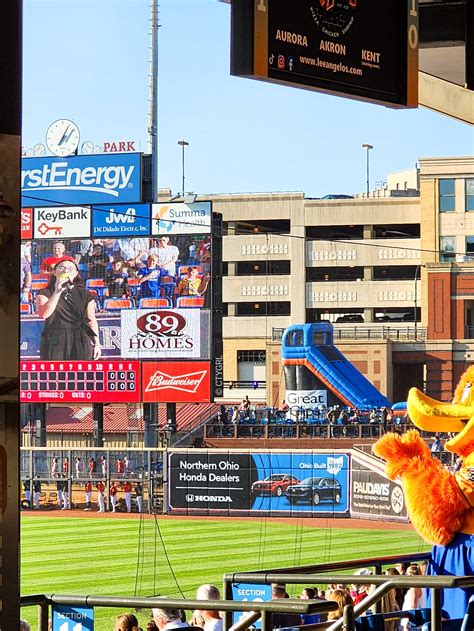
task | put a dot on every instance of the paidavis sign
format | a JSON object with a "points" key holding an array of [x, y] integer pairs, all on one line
{"points": [[374, 495], [85, 179], [169, 382], [364, 49], [302, 483]]}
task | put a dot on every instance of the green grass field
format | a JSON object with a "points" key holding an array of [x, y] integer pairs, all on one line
{"points": [[133, 557]]}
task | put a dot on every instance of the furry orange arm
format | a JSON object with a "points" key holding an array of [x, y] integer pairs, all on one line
{"points": [[434, 501]]}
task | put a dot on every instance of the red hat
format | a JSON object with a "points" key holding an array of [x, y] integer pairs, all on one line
{"points": [[69, 259]]}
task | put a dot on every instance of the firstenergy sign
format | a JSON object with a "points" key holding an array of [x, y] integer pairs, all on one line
{"points": [[89, 179]]}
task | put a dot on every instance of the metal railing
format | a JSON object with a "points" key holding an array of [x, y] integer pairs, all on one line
{"points": [[295, 430], [264, 609], [399, 334]]}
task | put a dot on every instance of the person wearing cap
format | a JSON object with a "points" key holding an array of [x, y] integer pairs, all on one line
{"points": [[71, 331]]}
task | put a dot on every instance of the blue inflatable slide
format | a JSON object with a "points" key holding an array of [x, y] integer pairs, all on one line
{"points": [[312, 362]]}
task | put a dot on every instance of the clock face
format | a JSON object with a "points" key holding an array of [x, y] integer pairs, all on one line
{"points": [[62, 137]]}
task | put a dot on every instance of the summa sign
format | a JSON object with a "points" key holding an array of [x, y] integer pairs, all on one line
{"points": [[85, 179], [176, 381], [181, 218]]}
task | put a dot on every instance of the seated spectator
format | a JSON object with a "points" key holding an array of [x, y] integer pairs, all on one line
{"points": [[342, 598], [133, 251], [313, 618], [116, 280], [193, 284], [281, 620], [362, 590], [126, 622], [207, 619], [150, 277], [97, 262], [168, 618], [436, 446], [48, 263]]}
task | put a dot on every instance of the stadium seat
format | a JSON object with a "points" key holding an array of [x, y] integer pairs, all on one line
{"points": [[37, 284], [117, 304], [97, 285], [133, 284], [184, 269], [154, 303], [26, 308], [190, 302]]}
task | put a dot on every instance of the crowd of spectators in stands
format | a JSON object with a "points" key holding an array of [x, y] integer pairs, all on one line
{"points": [[130, 268]]}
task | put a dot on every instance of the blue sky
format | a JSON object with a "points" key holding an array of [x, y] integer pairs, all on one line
{"points": [[88, 60]]}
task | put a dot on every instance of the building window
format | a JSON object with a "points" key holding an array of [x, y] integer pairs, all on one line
{"points": [[470, 248], [447, 249], [446, 195], [470, 194], [263, 309], [256, 357]]}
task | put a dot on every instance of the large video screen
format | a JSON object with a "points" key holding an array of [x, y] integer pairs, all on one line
{"points": [[131, 298]]}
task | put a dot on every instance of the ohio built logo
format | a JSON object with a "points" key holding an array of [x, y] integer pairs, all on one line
{"points": [[189, 382], [334, 465]]}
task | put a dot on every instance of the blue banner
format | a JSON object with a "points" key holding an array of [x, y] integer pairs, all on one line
{"points": [[66, 618], [121, 220], [250, 592], [85, 179]]}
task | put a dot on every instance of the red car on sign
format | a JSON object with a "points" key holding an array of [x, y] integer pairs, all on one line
{"points": [[275, 484]]}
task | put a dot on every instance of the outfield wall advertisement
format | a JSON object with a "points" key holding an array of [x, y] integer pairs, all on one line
{"points": [[302, 483]]}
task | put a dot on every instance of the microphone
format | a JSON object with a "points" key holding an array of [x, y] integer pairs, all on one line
{"points": [[69, 285]]}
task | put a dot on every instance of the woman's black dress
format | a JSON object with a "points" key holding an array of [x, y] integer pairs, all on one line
{"points": [[67, 333]]}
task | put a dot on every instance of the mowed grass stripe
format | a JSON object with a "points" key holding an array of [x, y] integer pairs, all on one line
{"points": [[99, 556]]}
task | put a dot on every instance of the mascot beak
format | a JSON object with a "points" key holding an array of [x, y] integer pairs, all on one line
{"points": [[434, 416]]}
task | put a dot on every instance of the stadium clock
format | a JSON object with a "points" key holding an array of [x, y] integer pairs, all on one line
{"points": [[62, 137]]}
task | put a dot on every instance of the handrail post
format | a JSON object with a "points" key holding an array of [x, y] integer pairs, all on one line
{"points": [[43, 615], [267, 621], [435, 609], [348, 618]]}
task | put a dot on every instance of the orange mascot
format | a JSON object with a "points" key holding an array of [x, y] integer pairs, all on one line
{"points": [[440, 503]]}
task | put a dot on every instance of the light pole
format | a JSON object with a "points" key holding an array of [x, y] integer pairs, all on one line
{"points": [[417, 273], [183, 144], [367, 148]]}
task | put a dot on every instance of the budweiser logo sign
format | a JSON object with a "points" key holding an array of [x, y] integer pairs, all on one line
{"points": [[189, 382]]}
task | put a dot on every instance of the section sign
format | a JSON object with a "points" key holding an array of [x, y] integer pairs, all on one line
{"points": [[84, 179]]}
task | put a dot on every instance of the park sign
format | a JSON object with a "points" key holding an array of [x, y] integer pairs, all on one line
{"points": [[361, 49], [78, 180]]}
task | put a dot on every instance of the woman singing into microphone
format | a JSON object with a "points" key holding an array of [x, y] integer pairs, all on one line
{"points": [[70, 330]]}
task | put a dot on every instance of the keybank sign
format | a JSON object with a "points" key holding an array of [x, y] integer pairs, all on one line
{"points": [[89, 179]]}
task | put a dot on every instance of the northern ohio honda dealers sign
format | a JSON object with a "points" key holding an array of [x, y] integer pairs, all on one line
{"points": [[179, 382]]}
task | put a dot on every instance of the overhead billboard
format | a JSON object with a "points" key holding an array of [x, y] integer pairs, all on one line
{"points": [[300, 483], [81, 180], [362, 49]]}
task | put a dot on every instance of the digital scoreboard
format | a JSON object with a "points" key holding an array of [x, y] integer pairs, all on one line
{"points": [[79, 381]]}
